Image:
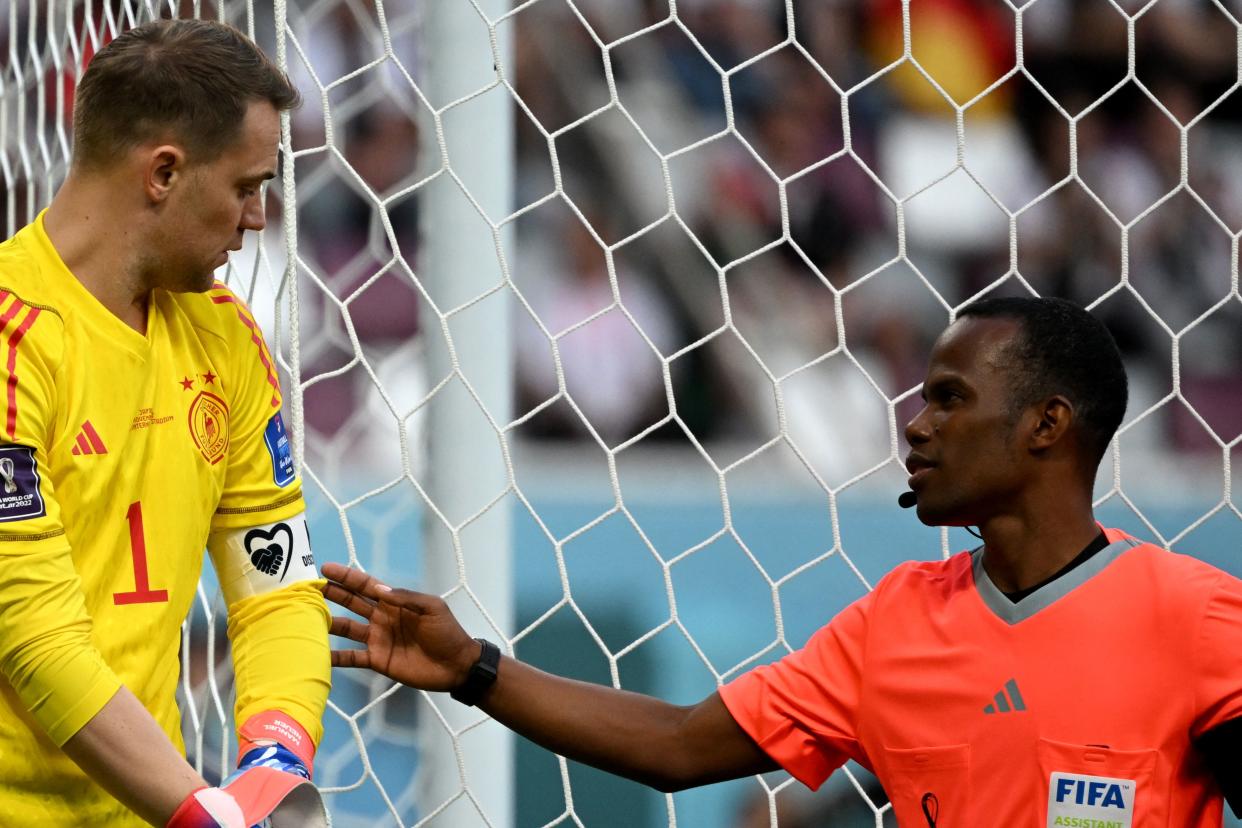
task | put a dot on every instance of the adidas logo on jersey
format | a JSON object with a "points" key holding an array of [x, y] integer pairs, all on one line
{"points": [[1007, 699], [88, 441]]}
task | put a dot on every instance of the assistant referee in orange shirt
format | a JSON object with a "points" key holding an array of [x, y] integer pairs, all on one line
{"points": [[1062, 674]]}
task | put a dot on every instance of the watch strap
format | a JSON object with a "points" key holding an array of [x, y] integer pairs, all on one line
{"points": [[481, 677]]}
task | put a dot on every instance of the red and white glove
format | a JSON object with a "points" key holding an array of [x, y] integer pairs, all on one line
{"points": [[208, 808], [251, 797], [271, 786]]}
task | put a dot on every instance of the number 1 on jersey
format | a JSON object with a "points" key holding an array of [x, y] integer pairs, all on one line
{"points": [[142, 594]]}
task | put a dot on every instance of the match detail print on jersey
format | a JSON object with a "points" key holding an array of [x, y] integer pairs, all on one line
{"points": [[264, 558], [1080, 801]]}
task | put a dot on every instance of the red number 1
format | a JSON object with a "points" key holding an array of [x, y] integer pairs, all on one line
{"points": [[142, 594]]}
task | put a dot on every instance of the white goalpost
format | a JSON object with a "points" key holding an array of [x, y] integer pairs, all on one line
{"points": [[603, 320]]}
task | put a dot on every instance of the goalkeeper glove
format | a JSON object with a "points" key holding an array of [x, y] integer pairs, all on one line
{"points": [[249, 798], [271, 786], [275, 741]]}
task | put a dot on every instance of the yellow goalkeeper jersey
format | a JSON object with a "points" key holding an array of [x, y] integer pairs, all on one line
{"points": [[119, 454]]}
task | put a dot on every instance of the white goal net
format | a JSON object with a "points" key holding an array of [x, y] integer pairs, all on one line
{"points": [[604, 320]]}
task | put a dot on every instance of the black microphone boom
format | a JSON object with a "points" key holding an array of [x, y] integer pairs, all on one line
{"points": [[907, 499]]}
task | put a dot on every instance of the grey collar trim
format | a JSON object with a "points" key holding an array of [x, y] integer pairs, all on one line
{"points": [[1045, 596]]}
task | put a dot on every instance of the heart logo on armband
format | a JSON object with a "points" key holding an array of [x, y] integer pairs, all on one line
{"points": [[270, 551]]}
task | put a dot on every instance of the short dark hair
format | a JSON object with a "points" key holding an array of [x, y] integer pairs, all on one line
{"points": [[194, 77], [1064, 350]]}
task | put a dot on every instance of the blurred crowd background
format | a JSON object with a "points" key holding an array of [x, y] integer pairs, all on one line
{"points": [[1133, 208]]}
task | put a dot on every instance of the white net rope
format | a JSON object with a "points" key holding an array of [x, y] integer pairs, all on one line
{"points": [[731, 231]]}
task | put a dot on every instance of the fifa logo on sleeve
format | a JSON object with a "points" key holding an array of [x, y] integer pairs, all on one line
{"points": [[8, 472]]}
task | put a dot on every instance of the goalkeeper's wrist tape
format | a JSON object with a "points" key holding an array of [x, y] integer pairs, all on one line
{"points": [[276, 757], [274, 739]]}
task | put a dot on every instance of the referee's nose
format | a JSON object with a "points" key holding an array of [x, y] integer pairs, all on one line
{"points": [[918, 430]]}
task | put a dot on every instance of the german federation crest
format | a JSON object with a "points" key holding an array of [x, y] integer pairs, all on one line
{"points": [[209, 426]]}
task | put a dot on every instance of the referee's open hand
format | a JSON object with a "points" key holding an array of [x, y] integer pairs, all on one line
{"points": [[408, 636]]}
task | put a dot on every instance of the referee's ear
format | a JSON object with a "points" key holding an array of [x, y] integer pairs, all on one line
{"points": [[1054, 420], [164, 167]]}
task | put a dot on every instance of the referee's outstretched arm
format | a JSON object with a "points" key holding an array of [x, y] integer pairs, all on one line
{"points": [[415, 639]]}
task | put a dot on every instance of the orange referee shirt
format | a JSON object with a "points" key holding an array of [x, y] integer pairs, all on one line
{"points": [[1076, 707]]}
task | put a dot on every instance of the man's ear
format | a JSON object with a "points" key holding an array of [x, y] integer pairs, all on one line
{"points": [[1055, 418], [165, 169]]}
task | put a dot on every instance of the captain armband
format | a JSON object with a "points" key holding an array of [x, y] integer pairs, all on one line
{"points": [[262, 559]]}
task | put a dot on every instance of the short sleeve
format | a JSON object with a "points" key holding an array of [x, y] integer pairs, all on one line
{"points": [[261, 483], [803, 709], [1218, 668]]}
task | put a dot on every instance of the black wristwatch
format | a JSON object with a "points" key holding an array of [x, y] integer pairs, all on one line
{"points": [[482, 675]]}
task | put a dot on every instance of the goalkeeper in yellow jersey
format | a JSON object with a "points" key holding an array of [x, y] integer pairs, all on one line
{"points": [[141, 423]]}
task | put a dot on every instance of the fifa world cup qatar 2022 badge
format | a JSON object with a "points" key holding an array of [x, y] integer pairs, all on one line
{"points": [[277, 441], [20, 498], [209, 426]]}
